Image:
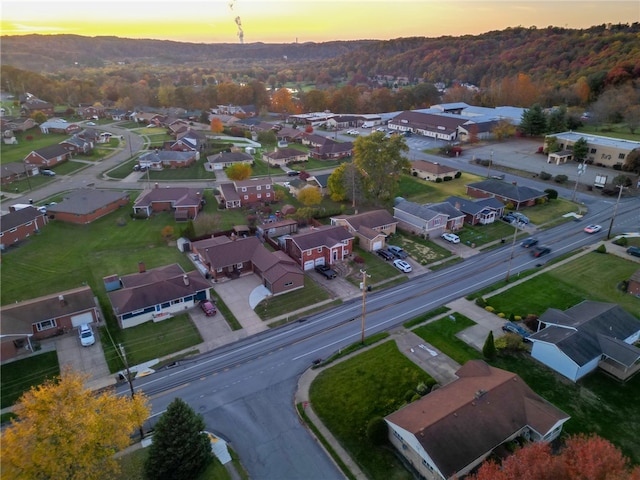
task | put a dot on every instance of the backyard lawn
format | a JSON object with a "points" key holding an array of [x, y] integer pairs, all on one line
{"points": [[423, 191], [20, 375], [372, 384], [311, 294]]}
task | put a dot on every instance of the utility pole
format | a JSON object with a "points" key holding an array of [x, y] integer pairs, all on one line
{"points": [[615, 211], [513, 246], [364, 301], [490, 162], [123, 355]]}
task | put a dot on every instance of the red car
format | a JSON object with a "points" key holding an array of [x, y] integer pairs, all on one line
{"points": [[208, 308]]}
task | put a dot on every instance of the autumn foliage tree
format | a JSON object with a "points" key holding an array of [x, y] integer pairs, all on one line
{"points": [[216, 125], [63, 430], [310, 196], [238, 171]]}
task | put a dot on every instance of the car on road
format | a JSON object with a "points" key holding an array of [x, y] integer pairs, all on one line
{"points": [[48, 173], [91, 124], [592, 228], [385, 254], [540, 251], [635, 251], [326, 271], [208, 308], [86, 335], [451, 237], [529, 242], [402, 265], [293, 173], [397, 251], [511, 327]]}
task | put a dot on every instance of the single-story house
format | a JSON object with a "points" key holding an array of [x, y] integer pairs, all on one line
{"points": [[324, 245], [481, 211], [431, 170], [284, 156], [56, 125], [277, 228], [187, 140], [247, 192], [47, 156], [223, 160], [185, 202], [78, 145], [332, 151], [156, 294], [227, 258], [452, 430], [19, 225], [13, 171], [428, 124], [372, 228], [586, 336], [518, 196], [420, 219], [44, 317], [321, 181], [86, 205], [33, 104], [157, 160]]}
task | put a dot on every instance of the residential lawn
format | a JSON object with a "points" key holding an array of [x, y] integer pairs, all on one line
{"points": [[27, 184], [378, 270], [422, 191], [17, 153], [483, 234], [68, 168], [442, 335], [594, 276], [196, 171], [348, 395], [18, 376], [311, 294], [149, 341], [123, 170], [314, 164], [552, 211], [422, 250]]}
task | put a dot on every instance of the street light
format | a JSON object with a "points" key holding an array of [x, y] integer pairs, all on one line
{"points": [[582, 168], [615, 211], [364, 300]]}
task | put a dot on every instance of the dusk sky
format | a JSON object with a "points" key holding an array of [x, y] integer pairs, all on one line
{"points": [[286, 21]]}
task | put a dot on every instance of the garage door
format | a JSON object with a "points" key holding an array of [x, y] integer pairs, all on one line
{"points": [[78, 320], [320, 261], [308, 265], [377, 246]]}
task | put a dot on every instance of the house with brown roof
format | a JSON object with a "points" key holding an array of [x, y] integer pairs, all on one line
{"points": [[372, 228], [32, 104], [186, 203], [427, 124], [453, 429], [284, 156], [519, 196], [161, 159], [332, 150], [19, 225], [85, 205], [223, 160], [589, 335], [13, 171], [229, 258], [431, 170], [429, 220], [43, 317], [480, 211], [47, 156], [323, 245], [247, 192], [157, 294]]}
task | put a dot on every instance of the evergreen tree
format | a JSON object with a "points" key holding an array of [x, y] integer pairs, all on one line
{"points": [[580, 150], [180, 449], [534, 121], [489, 348]]}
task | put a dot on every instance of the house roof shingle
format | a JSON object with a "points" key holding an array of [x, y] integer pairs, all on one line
{"points": [[325, 236], [508, 190], [85, 201], [19, 217]]}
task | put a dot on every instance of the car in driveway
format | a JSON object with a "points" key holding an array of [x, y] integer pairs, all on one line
{"points": [[385, 254], [91, 124], [511, 327], [635, 251], [451, 237], [402, 265], [592, 228], [48, 173], [509, 218], [520, 217], [326, 271], [85, 333], [540, 251], [208, 308], [397, 251], [529, 242]]}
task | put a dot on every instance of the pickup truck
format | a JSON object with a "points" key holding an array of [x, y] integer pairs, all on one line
{"points": [[325, 270]]}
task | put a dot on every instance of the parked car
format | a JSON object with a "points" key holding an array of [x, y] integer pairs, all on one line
{"points": [[48, 173], [86, 335], [520, 217], [529, 242], [386, 254], [635, 251], [325, 271], [540, 251], [91, 124], [208, 308], [397, 251], [509, 218], [511, 327], [402, 265], [293, 173], [451, 237], [592, 228]]}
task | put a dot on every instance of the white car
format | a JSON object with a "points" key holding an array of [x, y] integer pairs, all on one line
{"points": [[86, 335], [402, 265], [91, 124], [451, 237], [592, 228]]}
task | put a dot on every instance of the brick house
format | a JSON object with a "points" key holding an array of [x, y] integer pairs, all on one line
{"points": [[56, 125], [324, 245], [247, 192], [186, 203], [11, 172], [222, 160], [518, 196], [78, 145], [332, 151], [427, 125], [372, 228], [48, 156], [33, 104], [86, 205], [431, 170], [421, 219], [44, 317], [284, 156], [481, 211], [91, 111], [161, 159], [19, 225]]}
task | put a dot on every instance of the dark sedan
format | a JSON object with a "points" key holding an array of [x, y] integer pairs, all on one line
{"points": [[540, 251]]}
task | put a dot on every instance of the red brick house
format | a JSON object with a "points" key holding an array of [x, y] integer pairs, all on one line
{"points": [[44, 317], [226, 258], [247, 192], [332, 151], [518, 196], [48, 156], [86, 205], [56, 125], [19, 225], [324, 245], [10, 172], [91, 111], [33, 104], [186, 203], [372, 228]]}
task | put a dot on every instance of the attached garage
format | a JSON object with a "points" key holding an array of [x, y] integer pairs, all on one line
{"points": [[319, 261], [78, 320], [377, 245], [308, 265]]}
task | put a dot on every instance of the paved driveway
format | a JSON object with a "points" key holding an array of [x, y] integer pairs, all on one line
{"points": [[88, 360]]}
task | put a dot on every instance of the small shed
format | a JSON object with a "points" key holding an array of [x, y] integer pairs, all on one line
{"points": [[183, 244]]}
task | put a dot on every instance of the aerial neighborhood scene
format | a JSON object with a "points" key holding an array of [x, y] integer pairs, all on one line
{"points": [[262, 242]]}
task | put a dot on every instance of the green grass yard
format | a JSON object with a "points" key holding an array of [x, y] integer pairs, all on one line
{"points": [[20, 375]]}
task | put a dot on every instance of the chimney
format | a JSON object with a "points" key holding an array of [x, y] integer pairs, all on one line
{"points": [[141, 267], [156, 185], [185, 279], [62, 301]]}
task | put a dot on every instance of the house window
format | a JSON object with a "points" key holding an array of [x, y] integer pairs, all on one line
{"points": [[621, 156], [320, 250], [267, 187], [176, 301], [288, 284], [268, 195], [246, 197], [258, 187], [243, 189], [13, 230], [165, 305], [593, 150], [397, 435], [29, 224], [46, 325], [239, 266], [219, 269], [259, 195]]}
